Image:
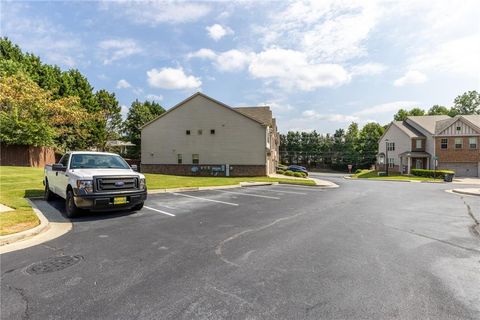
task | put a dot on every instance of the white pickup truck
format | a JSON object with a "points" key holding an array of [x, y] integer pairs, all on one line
{"points": [[95, 181]]}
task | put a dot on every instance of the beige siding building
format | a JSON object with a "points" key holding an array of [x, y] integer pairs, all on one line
{"points": [[202, 136]]}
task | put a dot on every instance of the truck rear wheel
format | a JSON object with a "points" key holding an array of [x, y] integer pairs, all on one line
{"points": [[70, 208], [48, 195]]}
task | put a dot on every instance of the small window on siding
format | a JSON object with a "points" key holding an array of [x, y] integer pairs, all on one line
{"points": [[200, 132], [212, 131], [179, 158], [459, 128], [458, 143], [391, 146], [444, 143], [187, 132], [195, 158], [472, 142], [418, 144]]}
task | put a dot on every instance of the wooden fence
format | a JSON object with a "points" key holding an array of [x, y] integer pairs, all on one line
{"points": [[26, 156]]}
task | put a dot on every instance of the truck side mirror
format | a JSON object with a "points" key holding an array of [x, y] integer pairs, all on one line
{"points": [[58, 167], [134, 167]]}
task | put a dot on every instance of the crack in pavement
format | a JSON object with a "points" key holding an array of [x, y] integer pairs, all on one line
{"points": [[232, 295], [219, 248], [21, 292], [433, 238]]}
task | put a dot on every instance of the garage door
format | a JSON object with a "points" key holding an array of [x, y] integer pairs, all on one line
{"points": [[467, 169]]}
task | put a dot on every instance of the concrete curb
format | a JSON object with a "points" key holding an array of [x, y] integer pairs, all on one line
{"points": [[393, 180], [467, 191], [43, 226], [318, 183]]}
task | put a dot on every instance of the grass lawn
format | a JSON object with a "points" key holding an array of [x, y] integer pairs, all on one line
{"points": [[373, 174], [163, 181], [16, 183]]}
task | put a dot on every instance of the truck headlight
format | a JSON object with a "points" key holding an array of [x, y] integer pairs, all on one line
{"points": [[141, 184], [86, 185]]}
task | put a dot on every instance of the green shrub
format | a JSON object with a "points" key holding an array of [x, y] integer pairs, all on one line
{"points": [[304, 175], [358, 171], [288, 173], [430, 173], [280, 171], [298, 174]]}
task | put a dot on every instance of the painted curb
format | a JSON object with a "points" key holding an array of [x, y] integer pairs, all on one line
{"points": [[43, 226]]}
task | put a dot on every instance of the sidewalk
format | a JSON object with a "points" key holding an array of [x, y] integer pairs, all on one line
{"points": [[318, 182], [468, 191]]}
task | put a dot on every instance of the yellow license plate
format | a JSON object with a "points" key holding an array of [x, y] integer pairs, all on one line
{"points": [[120, 200]]}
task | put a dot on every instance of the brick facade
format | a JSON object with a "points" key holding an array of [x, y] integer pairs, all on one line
{"points": [[465, 154], [381, 167], [414, 145], [205, 170]]}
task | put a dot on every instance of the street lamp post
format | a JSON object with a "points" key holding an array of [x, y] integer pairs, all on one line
{"points": [[386, 156]]}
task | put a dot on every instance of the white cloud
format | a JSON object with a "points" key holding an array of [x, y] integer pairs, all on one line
{"points": [[171, 78], [40, 36], [368, 69], [203, 54], [116, 49], [291, 70], [123, 84], [217, 32], [314, 115], [231, 60], [457, 56], [157, 12], [326, 31], [154, 97], [411, 77], [388, 107]]}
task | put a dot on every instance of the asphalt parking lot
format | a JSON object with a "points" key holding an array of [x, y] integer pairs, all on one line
{"points": [[365, 250]]}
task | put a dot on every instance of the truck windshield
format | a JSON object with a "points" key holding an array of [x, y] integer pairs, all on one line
{"points": [[94, 161]]}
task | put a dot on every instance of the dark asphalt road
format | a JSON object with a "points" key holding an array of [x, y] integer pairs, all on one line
{"points": [[367, 250]]}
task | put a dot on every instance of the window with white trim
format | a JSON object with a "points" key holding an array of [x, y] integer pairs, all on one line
{"points": [[179, 158], [391, 162], [418, 144], [444, 143], [390, 146], [458, 143], [472, 142], [195, 158]]}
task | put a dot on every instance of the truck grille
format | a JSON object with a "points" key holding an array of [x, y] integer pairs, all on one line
{"points": [[116, 183]]}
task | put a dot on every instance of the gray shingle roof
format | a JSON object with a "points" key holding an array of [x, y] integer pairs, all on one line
{"points": [[408, 129], [261, 114], [428, 122]]}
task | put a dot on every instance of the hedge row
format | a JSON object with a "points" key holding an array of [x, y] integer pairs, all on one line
{"points": [[292, 174], [430, 173]]}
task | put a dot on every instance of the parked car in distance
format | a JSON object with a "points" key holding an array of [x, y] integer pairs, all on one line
{"points": [[95, 181], [296, 168]]}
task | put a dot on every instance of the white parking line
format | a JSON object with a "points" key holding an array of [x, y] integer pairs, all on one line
{"points": [[292, 192], [249, 194], [204, 199], [164, 212]]}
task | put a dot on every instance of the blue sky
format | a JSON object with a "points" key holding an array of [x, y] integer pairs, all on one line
{"points": [[319, 65]]}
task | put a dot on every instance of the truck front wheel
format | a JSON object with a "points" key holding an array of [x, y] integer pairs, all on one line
{"points": [[137, 207], [48, 195], [70, 207]]}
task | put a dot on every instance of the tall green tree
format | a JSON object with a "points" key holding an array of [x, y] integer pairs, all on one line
{"points": [[467, 103], [438, 110], [110, 120], [368, 141], [139, 114], [29, 115]]}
